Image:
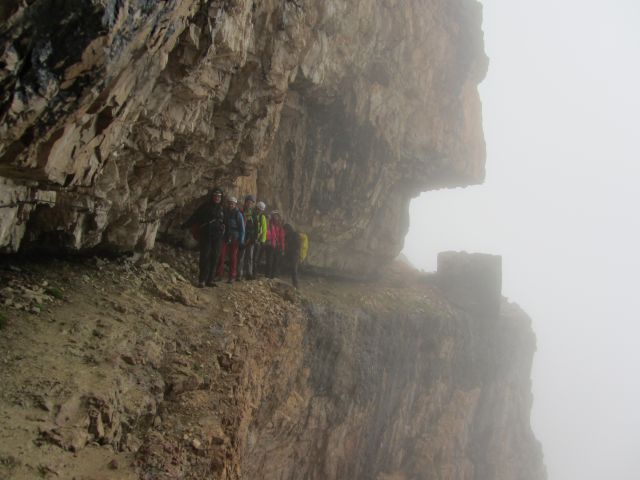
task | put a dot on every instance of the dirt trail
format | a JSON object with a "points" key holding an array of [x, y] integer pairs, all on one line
{"points": [[121, 369], [92, 348]]}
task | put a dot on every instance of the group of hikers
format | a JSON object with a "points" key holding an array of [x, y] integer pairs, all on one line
{"points": [[244, 235]]}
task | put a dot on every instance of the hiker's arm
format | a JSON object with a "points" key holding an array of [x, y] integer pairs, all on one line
{"points": [[192, 220]]}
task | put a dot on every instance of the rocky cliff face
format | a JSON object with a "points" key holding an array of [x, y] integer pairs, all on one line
{"points": [[116, 115], [124, 371]]}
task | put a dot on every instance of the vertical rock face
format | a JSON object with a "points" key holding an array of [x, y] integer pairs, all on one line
{"points": [[116, 114], [389, 395], [402, 386]]}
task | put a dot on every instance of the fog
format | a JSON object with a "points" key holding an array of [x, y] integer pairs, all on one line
{"points": [[561, 116]]}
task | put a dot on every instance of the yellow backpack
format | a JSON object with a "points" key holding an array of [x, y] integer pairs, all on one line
{"points": [[304, 246]]}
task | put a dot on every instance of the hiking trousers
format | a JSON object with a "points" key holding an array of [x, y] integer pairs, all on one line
{"points": [[273, 261], [295, 262], [246, 261], [259, 256], [209, 253], [232, 249]]}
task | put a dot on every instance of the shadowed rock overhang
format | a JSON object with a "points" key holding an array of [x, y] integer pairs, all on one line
{"points": [[117, 117]]}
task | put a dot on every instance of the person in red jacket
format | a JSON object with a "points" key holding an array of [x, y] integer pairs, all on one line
{"points": [[275, 243]]}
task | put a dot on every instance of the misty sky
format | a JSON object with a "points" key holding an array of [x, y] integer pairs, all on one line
{"points": [[562, 117]]}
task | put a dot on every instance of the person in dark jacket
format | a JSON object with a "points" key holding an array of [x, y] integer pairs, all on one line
{"points": [[207, 225], [292, 252], [234, 238]]}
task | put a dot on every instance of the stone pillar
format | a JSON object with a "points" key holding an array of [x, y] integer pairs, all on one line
{"points": [[472, 281]]}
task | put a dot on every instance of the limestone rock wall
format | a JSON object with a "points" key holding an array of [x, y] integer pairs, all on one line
{"points": [[117, 115]]}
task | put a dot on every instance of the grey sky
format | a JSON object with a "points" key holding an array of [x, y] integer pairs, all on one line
{"points": [[562, 118]]}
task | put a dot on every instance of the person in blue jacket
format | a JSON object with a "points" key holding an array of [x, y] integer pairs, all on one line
{"points": [[233, 239]]}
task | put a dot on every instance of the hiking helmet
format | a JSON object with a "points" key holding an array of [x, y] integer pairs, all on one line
{"points": [[261, 206], [249, 197], [275, 212], [216, 191], [232, 200]]}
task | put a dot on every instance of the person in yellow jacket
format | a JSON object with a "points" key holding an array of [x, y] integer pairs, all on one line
{"points": [[260, 248]]}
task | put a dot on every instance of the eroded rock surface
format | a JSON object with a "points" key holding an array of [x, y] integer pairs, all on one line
{"points": [[126, 371], [117, 115]]}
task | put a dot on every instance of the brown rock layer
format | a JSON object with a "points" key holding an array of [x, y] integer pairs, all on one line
{"points": [[116, 114]]}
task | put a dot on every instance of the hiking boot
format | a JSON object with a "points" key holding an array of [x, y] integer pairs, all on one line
{"points": [[231, 280], [200, 284]]}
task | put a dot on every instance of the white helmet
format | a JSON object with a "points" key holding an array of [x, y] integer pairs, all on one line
{"points": [[232, 200], [261, 206]]}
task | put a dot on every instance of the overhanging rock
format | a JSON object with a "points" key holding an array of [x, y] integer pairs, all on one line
{"points": [[335, 112]]}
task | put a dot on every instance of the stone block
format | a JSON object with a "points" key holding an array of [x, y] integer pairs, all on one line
{"points": [[472, 281]]}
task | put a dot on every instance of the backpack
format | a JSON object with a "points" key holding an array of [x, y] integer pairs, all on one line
{"points": [[304, 246]]}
